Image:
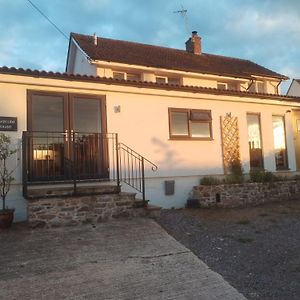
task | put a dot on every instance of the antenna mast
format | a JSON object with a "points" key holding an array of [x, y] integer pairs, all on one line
{"points": [[183, 13]]}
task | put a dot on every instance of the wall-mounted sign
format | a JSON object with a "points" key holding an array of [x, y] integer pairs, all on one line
{"points": [[8, 124]]}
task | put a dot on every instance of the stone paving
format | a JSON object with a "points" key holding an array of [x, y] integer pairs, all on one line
{"points": [[122, 259]]}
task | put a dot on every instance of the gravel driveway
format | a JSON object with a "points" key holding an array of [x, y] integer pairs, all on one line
{"points": [[256, 249]]}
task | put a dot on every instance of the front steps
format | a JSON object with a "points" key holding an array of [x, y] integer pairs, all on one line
{"points": [[57, 206]]}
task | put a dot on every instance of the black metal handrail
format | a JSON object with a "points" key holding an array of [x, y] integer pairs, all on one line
{"points": [[132, 168], [69, 157], [60, 157]]}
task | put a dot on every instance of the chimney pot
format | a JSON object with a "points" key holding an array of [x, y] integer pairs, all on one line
{"points": [[193, 44]]}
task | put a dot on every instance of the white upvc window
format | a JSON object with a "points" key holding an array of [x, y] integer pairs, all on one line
{"points": [[126, 76], [119, 75], [222, 86], [161, 79], [230, 85], [257, 87]]}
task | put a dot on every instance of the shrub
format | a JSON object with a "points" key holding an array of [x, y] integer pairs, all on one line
{"points": [[210, 180], [260, 175]]}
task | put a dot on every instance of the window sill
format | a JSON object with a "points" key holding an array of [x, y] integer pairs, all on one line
{"points": [[189, 139]]}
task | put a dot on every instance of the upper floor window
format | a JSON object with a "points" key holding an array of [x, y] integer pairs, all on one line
{"points": [[234, 86], [133, 77], [173, 80], [190, 124], [221, 86], [260, 87], [161, 79], [126, 76], [118, 75], [257, 87], [169, 80]]}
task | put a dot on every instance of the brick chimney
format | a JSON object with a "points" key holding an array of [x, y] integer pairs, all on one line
{"points": [[193, 44]]}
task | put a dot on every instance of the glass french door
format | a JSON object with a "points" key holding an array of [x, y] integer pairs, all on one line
{"points": [[254, 141], [66, 136]]}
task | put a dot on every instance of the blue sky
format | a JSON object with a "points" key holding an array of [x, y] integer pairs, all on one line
{"points": [[264, 31]]}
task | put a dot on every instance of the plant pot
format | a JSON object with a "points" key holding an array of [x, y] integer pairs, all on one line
{"points": [[6, 218]]}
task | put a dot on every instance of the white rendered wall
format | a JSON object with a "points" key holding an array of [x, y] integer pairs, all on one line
{"points": [[143, 125], [82, 65], [294, 89]]}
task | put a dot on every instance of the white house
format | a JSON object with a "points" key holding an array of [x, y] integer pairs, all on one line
{"points": [[185, 111], [294, 88]]}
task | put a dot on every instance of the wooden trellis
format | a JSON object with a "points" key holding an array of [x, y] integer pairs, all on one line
{"points": [[230, 141]]}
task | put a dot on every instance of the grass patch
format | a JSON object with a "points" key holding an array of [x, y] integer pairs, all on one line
{"points": [[245, 240], [243, 222]]}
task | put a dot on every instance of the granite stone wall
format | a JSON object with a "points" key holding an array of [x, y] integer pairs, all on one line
{"points": [[71, 210], [245, 194]]}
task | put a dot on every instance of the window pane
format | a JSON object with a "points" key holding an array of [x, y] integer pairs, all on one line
{"points": [[233, 86], [200, 130], [47, 113], [200, 115], [254, 140], [175, 81], [179, 123], [133, 77], [118, 75], [222, 86], [161, 79], [87, 115], [260, 87], [279, 142]]}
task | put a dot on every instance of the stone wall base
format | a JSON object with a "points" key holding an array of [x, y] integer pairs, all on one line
{"points": [[71, 210], [245, 194]]}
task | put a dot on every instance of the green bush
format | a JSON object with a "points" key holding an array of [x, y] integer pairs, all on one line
{"points": [[260, 175], [232, 178], [210, 180]]}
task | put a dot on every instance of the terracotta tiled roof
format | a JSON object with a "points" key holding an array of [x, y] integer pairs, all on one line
{"points": [[142, 84], [168, 58]]}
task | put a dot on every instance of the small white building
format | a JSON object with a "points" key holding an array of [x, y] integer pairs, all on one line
{"points": [[123, 108]]}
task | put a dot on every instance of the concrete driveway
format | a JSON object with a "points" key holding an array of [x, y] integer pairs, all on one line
{"points": [[123, 259]]}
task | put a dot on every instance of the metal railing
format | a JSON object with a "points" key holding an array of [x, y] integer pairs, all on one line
{"points": [[62, 157], [132, 168]]}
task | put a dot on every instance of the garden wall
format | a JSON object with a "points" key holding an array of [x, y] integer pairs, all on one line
{"points": [[71, 210], [244, 194]]}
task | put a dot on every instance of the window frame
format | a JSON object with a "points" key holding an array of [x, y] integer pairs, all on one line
{"points": [[258, 114], [119, 72], [163, 77], [285, 141], [189, 136]]}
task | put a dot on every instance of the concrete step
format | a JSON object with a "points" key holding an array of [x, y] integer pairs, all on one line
{"points": [[48, 191], [153, 211]]}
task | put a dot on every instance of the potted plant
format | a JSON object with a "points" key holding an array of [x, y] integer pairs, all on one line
{"points": [[6, 215]]}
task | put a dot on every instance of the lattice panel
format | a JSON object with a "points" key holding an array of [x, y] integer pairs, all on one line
{"points": [[230, 141]]}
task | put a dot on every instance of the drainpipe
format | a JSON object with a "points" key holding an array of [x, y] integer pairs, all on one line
{"points": [[252, 81], [277, 86]]}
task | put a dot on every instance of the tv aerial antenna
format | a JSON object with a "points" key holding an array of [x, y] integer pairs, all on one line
{"points": [[183, 13]]}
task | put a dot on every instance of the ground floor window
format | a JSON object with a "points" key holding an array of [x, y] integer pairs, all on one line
{"points": [[190, 124], [280, 142], [254, 141]]}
